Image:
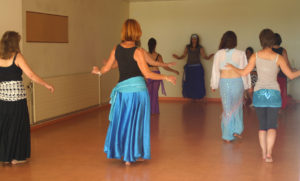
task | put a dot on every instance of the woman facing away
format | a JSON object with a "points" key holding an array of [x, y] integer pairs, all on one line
{"points": [[128, 134], [266, 97], [14, 118], [231, 84], [281, 78], [193, 85], [153, 85]]}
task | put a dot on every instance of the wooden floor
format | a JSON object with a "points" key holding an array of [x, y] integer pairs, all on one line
{"points": [[186, 145]]}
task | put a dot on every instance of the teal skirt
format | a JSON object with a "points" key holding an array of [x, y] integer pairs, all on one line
{"points": [[267, 98], [128, 134]]}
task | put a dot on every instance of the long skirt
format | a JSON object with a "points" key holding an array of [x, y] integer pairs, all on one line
{"points": [[153, 87], [231, 91], [283, 91], [14, 131], [193, 85], [128, 134]]}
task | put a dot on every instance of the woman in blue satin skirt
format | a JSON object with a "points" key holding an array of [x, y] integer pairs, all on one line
{"points": [[193, 84], [128, 134], [266, 96], [231, 84]]}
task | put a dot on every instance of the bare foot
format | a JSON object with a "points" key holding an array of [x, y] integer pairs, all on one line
{"points": [[269, 159], [237, 136], [15, 162], [127, 163], [140, 160], [227, 141]]}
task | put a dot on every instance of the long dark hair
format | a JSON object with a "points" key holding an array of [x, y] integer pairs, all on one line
{"points": [[9, 44], [191, 43], [229, 40], [151, 45]]}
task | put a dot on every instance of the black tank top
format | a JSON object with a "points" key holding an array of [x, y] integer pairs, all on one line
{"points": [[127, 65], [279, 51], [11, 73]]}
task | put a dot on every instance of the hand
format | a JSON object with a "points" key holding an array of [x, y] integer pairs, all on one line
{"points": [[171, 79], [50, 88], [176, 72], [95, 70], [175, 56], [170, 64], [211, 55]]}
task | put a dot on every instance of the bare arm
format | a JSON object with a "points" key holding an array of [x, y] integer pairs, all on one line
{"points": [[152, 62], [139, 56], [286, 69], [21, 62], [247, 69], [183, 55], [203, 54], [160, 59], [110, 63], [286, 58]]}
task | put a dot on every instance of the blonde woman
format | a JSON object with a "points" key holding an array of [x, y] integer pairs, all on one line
{"points": [[128, 135]]}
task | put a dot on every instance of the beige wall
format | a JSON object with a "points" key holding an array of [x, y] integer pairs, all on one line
{"points": [[94, 28], [172, 23], [11, 16]]}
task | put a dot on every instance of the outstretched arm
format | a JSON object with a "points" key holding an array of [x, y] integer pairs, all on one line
{"points": [[21, 62], [152, 62], [286, 69], [203, 54], [108, 65], [247, 69], [182, 56], [160, 59], [140, 59]]}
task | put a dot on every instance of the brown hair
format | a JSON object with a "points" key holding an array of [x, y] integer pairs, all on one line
{"points": [[131, 31], [266, 38], [228, 40], [9, 44]]}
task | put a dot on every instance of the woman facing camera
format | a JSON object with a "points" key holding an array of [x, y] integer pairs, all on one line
{"points": [[193, 85], [128, 134], [266, 96], [231, 85]]}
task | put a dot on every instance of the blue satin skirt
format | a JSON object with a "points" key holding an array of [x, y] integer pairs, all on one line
{"points": [[231, 91], [128, 134]]}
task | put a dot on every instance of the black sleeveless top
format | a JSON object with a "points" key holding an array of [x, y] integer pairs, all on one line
{"points": [[279, 51], [127, 65], [11, 73]]}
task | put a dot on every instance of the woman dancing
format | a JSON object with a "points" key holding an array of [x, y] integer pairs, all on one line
{"points": [[153, 85], [193, 85], [231, 84], [14, 118], [128, 134], [266, 97]]}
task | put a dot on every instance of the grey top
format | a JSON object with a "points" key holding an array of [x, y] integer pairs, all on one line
{"points": [[267, 71], [193, 56]]}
